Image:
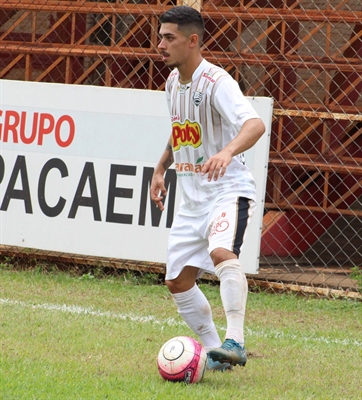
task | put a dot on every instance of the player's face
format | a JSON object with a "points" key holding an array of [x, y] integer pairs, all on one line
{"points": [[174, 45]]}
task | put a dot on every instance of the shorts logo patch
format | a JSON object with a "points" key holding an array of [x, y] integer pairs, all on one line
{"points": [[221, 224]]}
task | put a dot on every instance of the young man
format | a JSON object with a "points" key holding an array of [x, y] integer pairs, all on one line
{"points": [[212, 125]]}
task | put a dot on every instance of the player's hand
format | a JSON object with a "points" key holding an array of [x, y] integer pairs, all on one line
{"points": [[215, 166], [158, 190]]}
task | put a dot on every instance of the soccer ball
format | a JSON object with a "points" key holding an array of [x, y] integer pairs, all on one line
{"points": [[182, 359]]}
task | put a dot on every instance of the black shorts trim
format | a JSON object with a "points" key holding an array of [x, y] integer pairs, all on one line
{"points": [[242, 216]]}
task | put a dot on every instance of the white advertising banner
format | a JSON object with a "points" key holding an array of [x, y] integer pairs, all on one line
{"points": [[76, 164]]}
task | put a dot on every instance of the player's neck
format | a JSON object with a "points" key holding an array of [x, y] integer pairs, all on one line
{"points": [[187, 70]]}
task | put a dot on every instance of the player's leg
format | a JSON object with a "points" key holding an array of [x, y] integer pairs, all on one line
{"points": [[233, 291], [186, 248], [194, 307], [195, 310], [226, 239]]}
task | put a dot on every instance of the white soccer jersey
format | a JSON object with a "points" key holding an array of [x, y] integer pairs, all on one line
{"points": [[206, 114]]}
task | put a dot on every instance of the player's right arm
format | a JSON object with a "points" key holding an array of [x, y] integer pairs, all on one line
{"points": [[158, 190]]}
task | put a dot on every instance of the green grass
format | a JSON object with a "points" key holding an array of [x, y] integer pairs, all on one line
{"points": [[65, 337], [357, 275]]}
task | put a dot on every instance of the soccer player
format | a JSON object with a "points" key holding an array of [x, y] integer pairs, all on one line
{"points": [[212, 125]]}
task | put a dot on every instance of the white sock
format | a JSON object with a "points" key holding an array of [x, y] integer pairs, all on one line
{"points": [[195, 309], [234, 292]]}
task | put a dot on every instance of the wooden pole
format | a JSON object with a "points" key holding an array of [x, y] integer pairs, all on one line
{"points": [[196, 4]]}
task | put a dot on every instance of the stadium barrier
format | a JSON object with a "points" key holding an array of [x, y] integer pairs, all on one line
{"points": [[306, 56]]}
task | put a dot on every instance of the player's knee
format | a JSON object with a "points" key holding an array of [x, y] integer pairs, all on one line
{"points": [[184, 281], [171, 286], [179, 285], [175, 286], [220, 255]]}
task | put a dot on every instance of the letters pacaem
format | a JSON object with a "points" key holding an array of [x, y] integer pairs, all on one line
{"points": [[19, 187]]}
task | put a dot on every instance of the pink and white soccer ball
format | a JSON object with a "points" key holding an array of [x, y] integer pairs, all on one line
{"points": [[182, 359]]}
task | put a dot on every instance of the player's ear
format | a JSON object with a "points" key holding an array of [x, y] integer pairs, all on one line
{"points": [[194, 40]]}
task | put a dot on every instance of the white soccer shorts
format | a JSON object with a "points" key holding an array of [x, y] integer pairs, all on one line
{"points": [[193, 238]]}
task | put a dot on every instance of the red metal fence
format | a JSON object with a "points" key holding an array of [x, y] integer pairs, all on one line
{"points": [[305, 54]]}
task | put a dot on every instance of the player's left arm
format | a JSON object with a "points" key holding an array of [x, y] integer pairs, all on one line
{"points": [[249, 134]]}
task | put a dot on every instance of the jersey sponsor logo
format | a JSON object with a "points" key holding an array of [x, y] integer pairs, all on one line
{"points": [[197, 98], [183, 88], [187, 133], [188, 167], [208, 76]]}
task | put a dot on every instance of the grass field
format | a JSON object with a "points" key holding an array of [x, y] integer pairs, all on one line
{"points": [[68, 337]]}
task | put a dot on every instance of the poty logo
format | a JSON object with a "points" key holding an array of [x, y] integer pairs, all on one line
{"points": [[186, 134]]}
